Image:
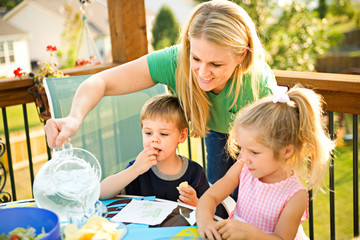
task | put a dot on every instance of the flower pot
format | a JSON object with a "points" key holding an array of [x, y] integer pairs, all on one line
{"points": [[41, 102]]}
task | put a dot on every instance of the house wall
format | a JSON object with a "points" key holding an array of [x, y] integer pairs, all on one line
{"points": [[44, 30], [21, 53]]}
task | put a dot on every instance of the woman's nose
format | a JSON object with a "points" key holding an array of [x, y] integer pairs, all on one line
{"points": [[203, 70]]}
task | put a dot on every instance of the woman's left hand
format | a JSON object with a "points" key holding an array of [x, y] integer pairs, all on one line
{"points": [[188, 196]]}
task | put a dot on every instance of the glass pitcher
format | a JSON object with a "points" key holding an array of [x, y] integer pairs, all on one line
{"points": [[69, 184]]}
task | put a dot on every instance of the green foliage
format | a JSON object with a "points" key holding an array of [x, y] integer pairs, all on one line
{"points": [[342, 7], [261, 12], [322, 9], [70, 35], [166, 29], [296, 39], [292, 35], [9, 4]]}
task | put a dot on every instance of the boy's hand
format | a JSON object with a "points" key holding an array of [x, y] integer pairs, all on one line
{"points": [[145, 160], [188, 196]]}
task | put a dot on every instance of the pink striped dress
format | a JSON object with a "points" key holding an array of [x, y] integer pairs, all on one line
{"points": [[260, 204]]}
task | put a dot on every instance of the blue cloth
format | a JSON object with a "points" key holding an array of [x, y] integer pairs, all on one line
{"points": [[218, 159]]}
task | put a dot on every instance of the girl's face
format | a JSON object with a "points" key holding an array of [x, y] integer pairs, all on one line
{"points": [[212, 65], [260, 159], [163, 136]]}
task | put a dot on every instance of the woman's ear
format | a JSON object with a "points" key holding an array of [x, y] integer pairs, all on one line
{"points": [[242, 57], [183, 135], [288, 151]]}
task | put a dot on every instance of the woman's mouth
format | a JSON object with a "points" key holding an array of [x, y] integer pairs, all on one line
{"points": [[206, 79]]}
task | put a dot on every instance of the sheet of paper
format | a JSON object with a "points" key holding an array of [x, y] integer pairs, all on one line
{"points": [[145, 212]]}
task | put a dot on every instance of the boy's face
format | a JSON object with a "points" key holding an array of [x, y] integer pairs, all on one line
{"points": [[162, 135]]}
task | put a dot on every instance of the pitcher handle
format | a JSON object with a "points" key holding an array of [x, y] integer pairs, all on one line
{"points": [[65, 146]]}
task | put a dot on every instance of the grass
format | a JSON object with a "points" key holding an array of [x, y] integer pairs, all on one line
{"points": [[343, 200], [16, 119]]}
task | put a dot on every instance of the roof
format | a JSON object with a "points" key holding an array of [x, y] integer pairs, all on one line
{"points": [[96, 12], [8, 29]]}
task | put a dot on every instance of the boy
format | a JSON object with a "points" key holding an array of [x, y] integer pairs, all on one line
{"points": [[158, 170]]}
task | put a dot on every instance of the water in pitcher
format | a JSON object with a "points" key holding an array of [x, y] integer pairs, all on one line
{"points": [[69, 185]]}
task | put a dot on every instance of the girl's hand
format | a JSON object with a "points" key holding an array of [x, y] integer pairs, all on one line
{"points": [[233, 229], [188, 196], [207, 229], [145, 160]]}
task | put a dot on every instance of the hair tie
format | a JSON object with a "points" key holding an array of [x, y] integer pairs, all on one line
{"points": [[280, 95]]}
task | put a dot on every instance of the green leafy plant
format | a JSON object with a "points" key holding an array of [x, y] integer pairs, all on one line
{"points": [[47, 69]]}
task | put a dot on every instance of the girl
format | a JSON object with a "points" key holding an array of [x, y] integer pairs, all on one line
{"points": [[277, 140]]}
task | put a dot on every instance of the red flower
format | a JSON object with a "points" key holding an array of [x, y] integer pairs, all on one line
{"points": [[50, 48], [18, 72]]}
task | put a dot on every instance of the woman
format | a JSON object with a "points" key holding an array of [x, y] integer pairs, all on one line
{"points": [[217, 68]]}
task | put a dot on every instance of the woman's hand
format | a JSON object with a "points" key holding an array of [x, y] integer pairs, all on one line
{"points": [[188, 196], [207, 229], [145, 160], [58, 131]]}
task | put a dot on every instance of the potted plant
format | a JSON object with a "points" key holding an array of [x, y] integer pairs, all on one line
{"points": [[47, 70]]}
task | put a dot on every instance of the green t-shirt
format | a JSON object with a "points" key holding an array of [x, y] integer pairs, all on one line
{"points": [[162, 66]]}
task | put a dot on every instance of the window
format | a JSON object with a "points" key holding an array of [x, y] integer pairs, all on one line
{"points": [[2, 53], [11, 51], [7, 54]]}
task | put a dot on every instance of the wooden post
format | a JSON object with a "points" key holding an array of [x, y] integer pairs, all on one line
{"points": [[127, 29]]}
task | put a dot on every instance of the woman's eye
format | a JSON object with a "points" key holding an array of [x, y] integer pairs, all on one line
{"points": [[216, 65], [196, 59]]}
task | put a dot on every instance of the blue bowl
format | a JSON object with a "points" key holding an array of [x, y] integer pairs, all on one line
{"points": [[38, 218]]}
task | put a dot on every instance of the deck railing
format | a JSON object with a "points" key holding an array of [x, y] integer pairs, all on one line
{"points": [[341, 93]]}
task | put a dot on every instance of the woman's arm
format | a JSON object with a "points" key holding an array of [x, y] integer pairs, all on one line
{"points": [[212, 198], [126, 78]]}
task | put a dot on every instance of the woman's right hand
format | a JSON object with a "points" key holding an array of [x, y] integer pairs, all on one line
{"points": [[58, 131]]}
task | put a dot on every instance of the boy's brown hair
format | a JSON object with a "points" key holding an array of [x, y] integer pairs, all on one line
{"points": [[165, 106]]}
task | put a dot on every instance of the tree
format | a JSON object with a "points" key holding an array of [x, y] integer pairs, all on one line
{"points": [[342, 7], [322, 9], [292, 36], [296, 39], [166, 29], [9, 4], [70, 35]]}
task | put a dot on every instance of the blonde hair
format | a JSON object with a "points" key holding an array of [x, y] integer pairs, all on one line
{"points": [[226, 24], [165, 106], [296, 123]]}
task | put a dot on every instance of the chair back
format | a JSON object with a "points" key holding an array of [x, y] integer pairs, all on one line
{"points": [[111, 131]]}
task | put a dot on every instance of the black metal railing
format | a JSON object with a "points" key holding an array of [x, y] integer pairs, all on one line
{"points": [[9, 176]]}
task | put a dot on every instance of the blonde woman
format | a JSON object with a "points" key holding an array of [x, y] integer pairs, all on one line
{"points": [[217, 69]]}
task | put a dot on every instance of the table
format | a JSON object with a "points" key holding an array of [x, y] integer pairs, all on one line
{"points": [[174, 225]]}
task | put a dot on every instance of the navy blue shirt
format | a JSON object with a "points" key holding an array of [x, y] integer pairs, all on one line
{"points": [[155, 183]]}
